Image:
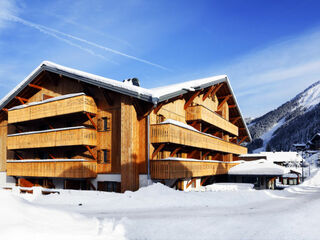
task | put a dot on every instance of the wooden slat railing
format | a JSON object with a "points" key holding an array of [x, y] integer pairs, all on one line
{"points": [[168, 169], [200, 113], [61, 169], [169, 133], [54, 138], [58, 107]]}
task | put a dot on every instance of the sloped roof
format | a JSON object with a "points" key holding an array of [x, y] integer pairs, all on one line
{"points": [[154, 95], [258, 167], [276, 156]]}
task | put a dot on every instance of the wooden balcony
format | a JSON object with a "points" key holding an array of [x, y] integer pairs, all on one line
{"points": [[52, 107], [169, 133], [200, 113], [72, 168], [75, 136], [174, 169]]}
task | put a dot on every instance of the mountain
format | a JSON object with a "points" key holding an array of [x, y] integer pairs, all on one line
{"points": [[295, 121]]}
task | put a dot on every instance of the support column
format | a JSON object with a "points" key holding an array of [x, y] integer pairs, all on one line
{"points": [[129, 146]]}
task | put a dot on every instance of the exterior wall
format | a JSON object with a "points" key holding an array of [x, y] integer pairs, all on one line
{"points": [[3, 145], [175, 110], [126, 138]]}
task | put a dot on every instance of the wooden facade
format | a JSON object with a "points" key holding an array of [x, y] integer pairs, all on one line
{"points": [[56, 169], [87, 129], [166, 169]]}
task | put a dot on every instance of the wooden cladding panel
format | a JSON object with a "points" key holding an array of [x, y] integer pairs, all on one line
{"points": [[200, 113], [71, 137], [129, 146], [53, 169], [166, 169], [169, 133], [56, 108], [3, 145]]}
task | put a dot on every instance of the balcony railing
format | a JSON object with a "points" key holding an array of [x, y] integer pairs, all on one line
{"points": [[170, 133], [174, 169], [60, 168], [73, 136], [200, 113], [66, 104]]}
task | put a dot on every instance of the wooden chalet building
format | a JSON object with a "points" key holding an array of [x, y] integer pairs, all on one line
{"points": [[64, 128]]}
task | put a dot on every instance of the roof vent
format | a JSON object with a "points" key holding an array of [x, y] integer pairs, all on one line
{"points": [[133, 81]]}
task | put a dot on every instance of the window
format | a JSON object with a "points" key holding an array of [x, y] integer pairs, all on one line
{"points": [[104, 156], [104, 124], [160, 118], [109, 186]]}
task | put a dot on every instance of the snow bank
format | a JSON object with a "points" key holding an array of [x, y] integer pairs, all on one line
{"points": [[158, 212], [223, 187], [23, 220], [313, 180]]}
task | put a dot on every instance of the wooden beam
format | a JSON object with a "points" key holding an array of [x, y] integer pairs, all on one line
{"points": [[188, 103], [174, 152], [215, 156], [189, 183], [193, 124], [232, 106], [204, 155], [223, 102], [91, 152], [206, 129], [108, 98], [234, 120], [91, 185], [217, 133], [92, 122], [148, 111], [22, 100], [18, 155], [244, 138], [156, 110], [208, 93], [35, 86], [204, 180], [223, 97], [155, 152], [216, 89], [190, 155]]}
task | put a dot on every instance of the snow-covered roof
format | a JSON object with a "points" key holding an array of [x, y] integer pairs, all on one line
{"points": [[154, 96], [275, 156], [252, 155], [314, 137], [258, 167], [195, 160]]}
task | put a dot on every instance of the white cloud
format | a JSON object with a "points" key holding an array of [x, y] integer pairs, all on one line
{"points": [[9, 15], [7, 7], [268, 77]]}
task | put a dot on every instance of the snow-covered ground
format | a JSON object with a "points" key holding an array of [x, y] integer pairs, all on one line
{"points": [[223, 211]]}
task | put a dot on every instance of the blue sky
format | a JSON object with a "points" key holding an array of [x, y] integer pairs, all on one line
{"points": [[269, 49]]}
